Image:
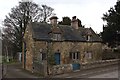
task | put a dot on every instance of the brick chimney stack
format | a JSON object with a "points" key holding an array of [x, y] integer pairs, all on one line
{"points": [[53, 21], [74, 22]]}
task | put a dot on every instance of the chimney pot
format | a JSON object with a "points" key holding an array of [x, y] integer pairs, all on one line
{"points": [[74, 17], [74, 22], [53, 20]]}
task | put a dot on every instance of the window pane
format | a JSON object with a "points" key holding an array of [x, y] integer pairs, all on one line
{"points": [[43, 56], [57, 36], [78, 55], [73, 55], [90, 55]]}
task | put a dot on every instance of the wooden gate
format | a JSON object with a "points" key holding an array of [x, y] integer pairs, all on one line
{"points": [[76, 66]]}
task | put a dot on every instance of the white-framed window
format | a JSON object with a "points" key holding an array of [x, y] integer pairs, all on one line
{"points": [[88, 55], [88, 37], [74, 55], [57, 36], [42, 56]]}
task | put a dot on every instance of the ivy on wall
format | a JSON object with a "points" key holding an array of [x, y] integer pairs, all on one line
{"points": [[51, 59], [50, 55]]}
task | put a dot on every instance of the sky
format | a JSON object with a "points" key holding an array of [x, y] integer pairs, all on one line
{"points": [[88, 11]]}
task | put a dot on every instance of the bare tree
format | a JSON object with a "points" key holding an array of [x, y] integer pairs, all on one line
{"points": [[46, 12], [16, 21]]}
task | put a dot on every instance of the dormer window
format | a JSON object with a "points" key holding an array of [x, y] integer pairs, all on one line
{"points": [[88, 37], [57, 36]]}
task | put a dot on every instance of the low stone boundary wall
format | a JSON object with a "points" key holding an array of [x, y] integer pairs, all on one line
{"points": [[65, 68], [100, 63], [60, 69]]}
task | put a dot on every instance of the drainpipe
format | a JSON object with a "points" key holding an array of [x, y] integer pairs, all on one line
{"points": [[49, 43], [47, 64]]}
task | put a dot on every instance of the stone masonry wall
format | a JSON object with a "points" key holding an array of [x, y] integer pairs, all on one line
{"points": [[66, 68], [40, 46], [66, 47], [60, 69], [99, 63], [66, 63], [29, 49]]}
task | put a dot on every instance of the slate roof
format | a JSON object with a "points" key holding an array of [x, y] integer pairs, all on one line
{"points": [[94, 36], [41, 31]]}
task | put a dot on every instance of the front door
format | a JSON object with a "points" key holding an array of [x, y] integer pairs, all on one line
{"points": [[57, 58]]}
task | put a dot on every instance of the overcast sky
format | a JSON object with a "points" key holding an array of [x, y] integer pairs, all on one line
{"points": [[88, 11]]}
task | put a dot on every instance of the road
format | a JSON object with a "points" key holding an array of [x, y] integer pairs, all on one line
{"points": [[15, 71], [112, 74], [104, 72]]}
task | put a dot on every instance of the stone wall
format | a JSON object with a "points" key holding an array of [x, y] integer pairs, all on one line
{"points": [[95, 48], [39, 47], [61, 69], [66, 68], [66, 47], [99, 63], [29, 49], [39, 65], [38, 68]]}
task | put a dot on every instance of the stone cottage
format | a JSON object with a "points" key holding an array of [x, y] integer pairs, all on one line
{"points": [[54, 49]]}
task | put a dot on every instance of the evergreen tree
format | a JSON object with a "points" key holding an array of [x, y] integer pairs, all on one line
{"points": [[111, 31]]}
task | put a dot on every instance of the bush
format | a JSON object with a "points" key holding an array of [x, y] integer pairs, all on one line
{"points": [[107, 54]]}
